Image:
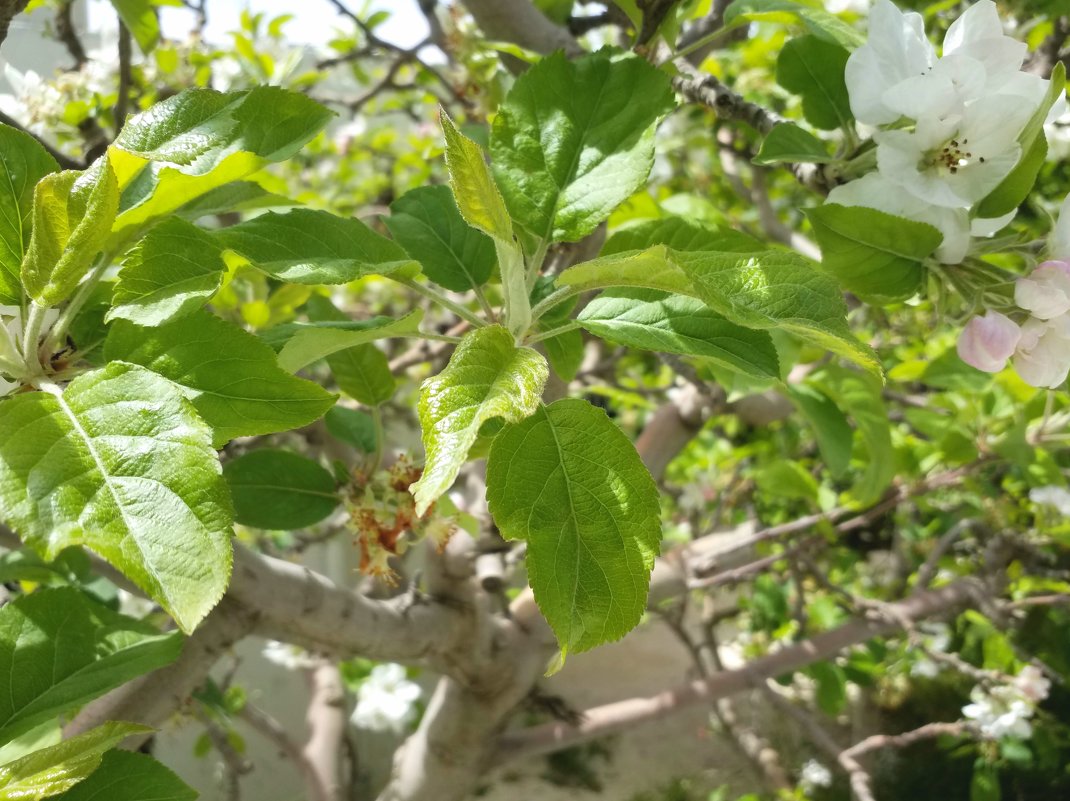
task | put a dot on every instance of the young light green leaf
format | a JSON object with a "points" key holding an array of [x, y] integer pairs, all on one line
{"points": [[679, 234], [304, 246], [72, 216], [569, 482], [353, 427], [120, 462], [231, 376], [128, 776], [652, 268], [831, 429], [52, 770], [478, 198], [173, 271], [427, 224], [198, 140], [566, 159], [279, 490], [234, 196], [301, 344], [361, 372], [776, 289], [58, 650], [788, 142], [488, 376], [813, 68], [786, 12], [659, 321], [139, 16], [23, 162], [875, 255]]}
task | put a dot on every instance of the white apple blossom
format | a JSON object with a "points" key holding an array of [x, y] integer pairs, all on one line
{"points": [[813, 775], [1045, 293], [288, 656], [1032, 683], [1056, 497], [1005, 711], [386, 700], [988, 342], [1042, 357], [1059, 239]]}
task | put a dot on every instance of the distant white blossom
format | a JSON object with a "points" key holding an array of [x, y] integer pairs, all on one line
{"points": [[1056, 497], [386, 700], [814, 775], [288, 656], [1005, 711]]}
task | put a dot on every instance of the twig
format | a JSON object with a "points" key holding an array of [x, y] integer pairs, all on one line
{"points": [[125, 79], [66, 33]]}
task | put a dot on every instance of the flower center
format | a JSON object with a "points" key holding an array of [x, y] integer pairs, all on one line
{"points": [[951, 157]]}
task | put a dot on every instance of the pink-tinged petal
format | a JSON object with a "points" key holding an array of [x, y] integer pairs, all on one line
{"points": [[1045, 292], [987, 342], [1042, 357]]}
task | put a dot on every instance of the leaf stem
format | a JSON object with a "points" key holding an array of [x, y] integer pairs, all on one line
{"points": [[437, 297], [81, 297], [434, 336], [552, 300], [535, 265], [31, 333], [698, 44], [571, 325]]}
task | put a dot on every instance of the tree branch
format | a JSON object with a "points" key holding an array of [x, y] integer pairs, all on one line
{"points": [[326, 720], [8, 10]]}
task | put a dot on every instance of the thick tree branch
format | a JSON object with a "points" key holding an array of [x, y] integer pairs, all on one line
{"points": [[520, 22], [326, 720], [8, 10]]}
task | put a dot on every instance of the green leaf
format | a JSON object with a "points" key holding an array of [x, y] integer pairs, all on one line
{"points": [[875, 255], [570, 483], [787, 479], [813, 68], [565, 353], [680, 234], [173, 271], [303, 343], [652, 320], [361, 372], [72, 215], [428, 225], [59, 650], [120, 462], [831, 687], [788, 142], [565, 159], [984, 784], [279, 490], [126, 776], [1014, 189], [777, 289], [231, 376], [478, 198], [23, 162], [200, 139], [653, 268], [816, 20], [139, 16], [488, 376], [52, 770], [352, 427], [831, 429], [234, 196], [313, 247]]}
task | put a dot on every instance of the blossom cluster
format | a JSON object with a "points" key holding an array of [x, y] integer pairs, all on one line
{"points": [[946, 127], [1005, 711], [1040, 345], [386, 700]]}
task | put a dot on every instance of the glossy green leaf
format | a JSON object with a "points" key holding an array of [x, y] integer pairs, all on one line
{"points": [[58, 650], [52, 770], [570, 483], [652, 268], [488, 376], [361, 372], [428, 225], [353, 427], [786, 12], [120, 462], [279, 490], [200, 139], [235, 196], [139, 16], [565, 159], [658, 321], [478, 198], [300, 344], [679, 234], [304, 246], [72, 214], [788, 142], [813, 68], [831, 429], [127, 776], [231, 376], [173, 271], [23, 162], [565, 353], [875, 255]]}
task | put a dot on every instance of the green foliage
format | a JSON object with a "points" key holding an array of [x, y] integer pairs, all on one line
{"points": [[488, 376], [300, 344], [816, 20], [568, 482], [126, 776], [566, 160], [139, 16], [58, 650], [813, 67], [361, 372], [352, 427], [232, 377], [23, 163], [788, 142], [275, 489], [119, 461]]}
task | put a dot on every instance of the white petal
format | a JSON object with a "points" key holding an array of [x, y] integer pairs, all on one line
{"points": [[1043, 355], [1059, 246], [988, 226], [987, 342], [1045, 293]]}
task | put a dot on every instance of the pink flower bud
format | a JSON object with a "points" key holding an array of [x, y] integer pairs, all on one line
{"points": [[1046, 291], [987, 342]]}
